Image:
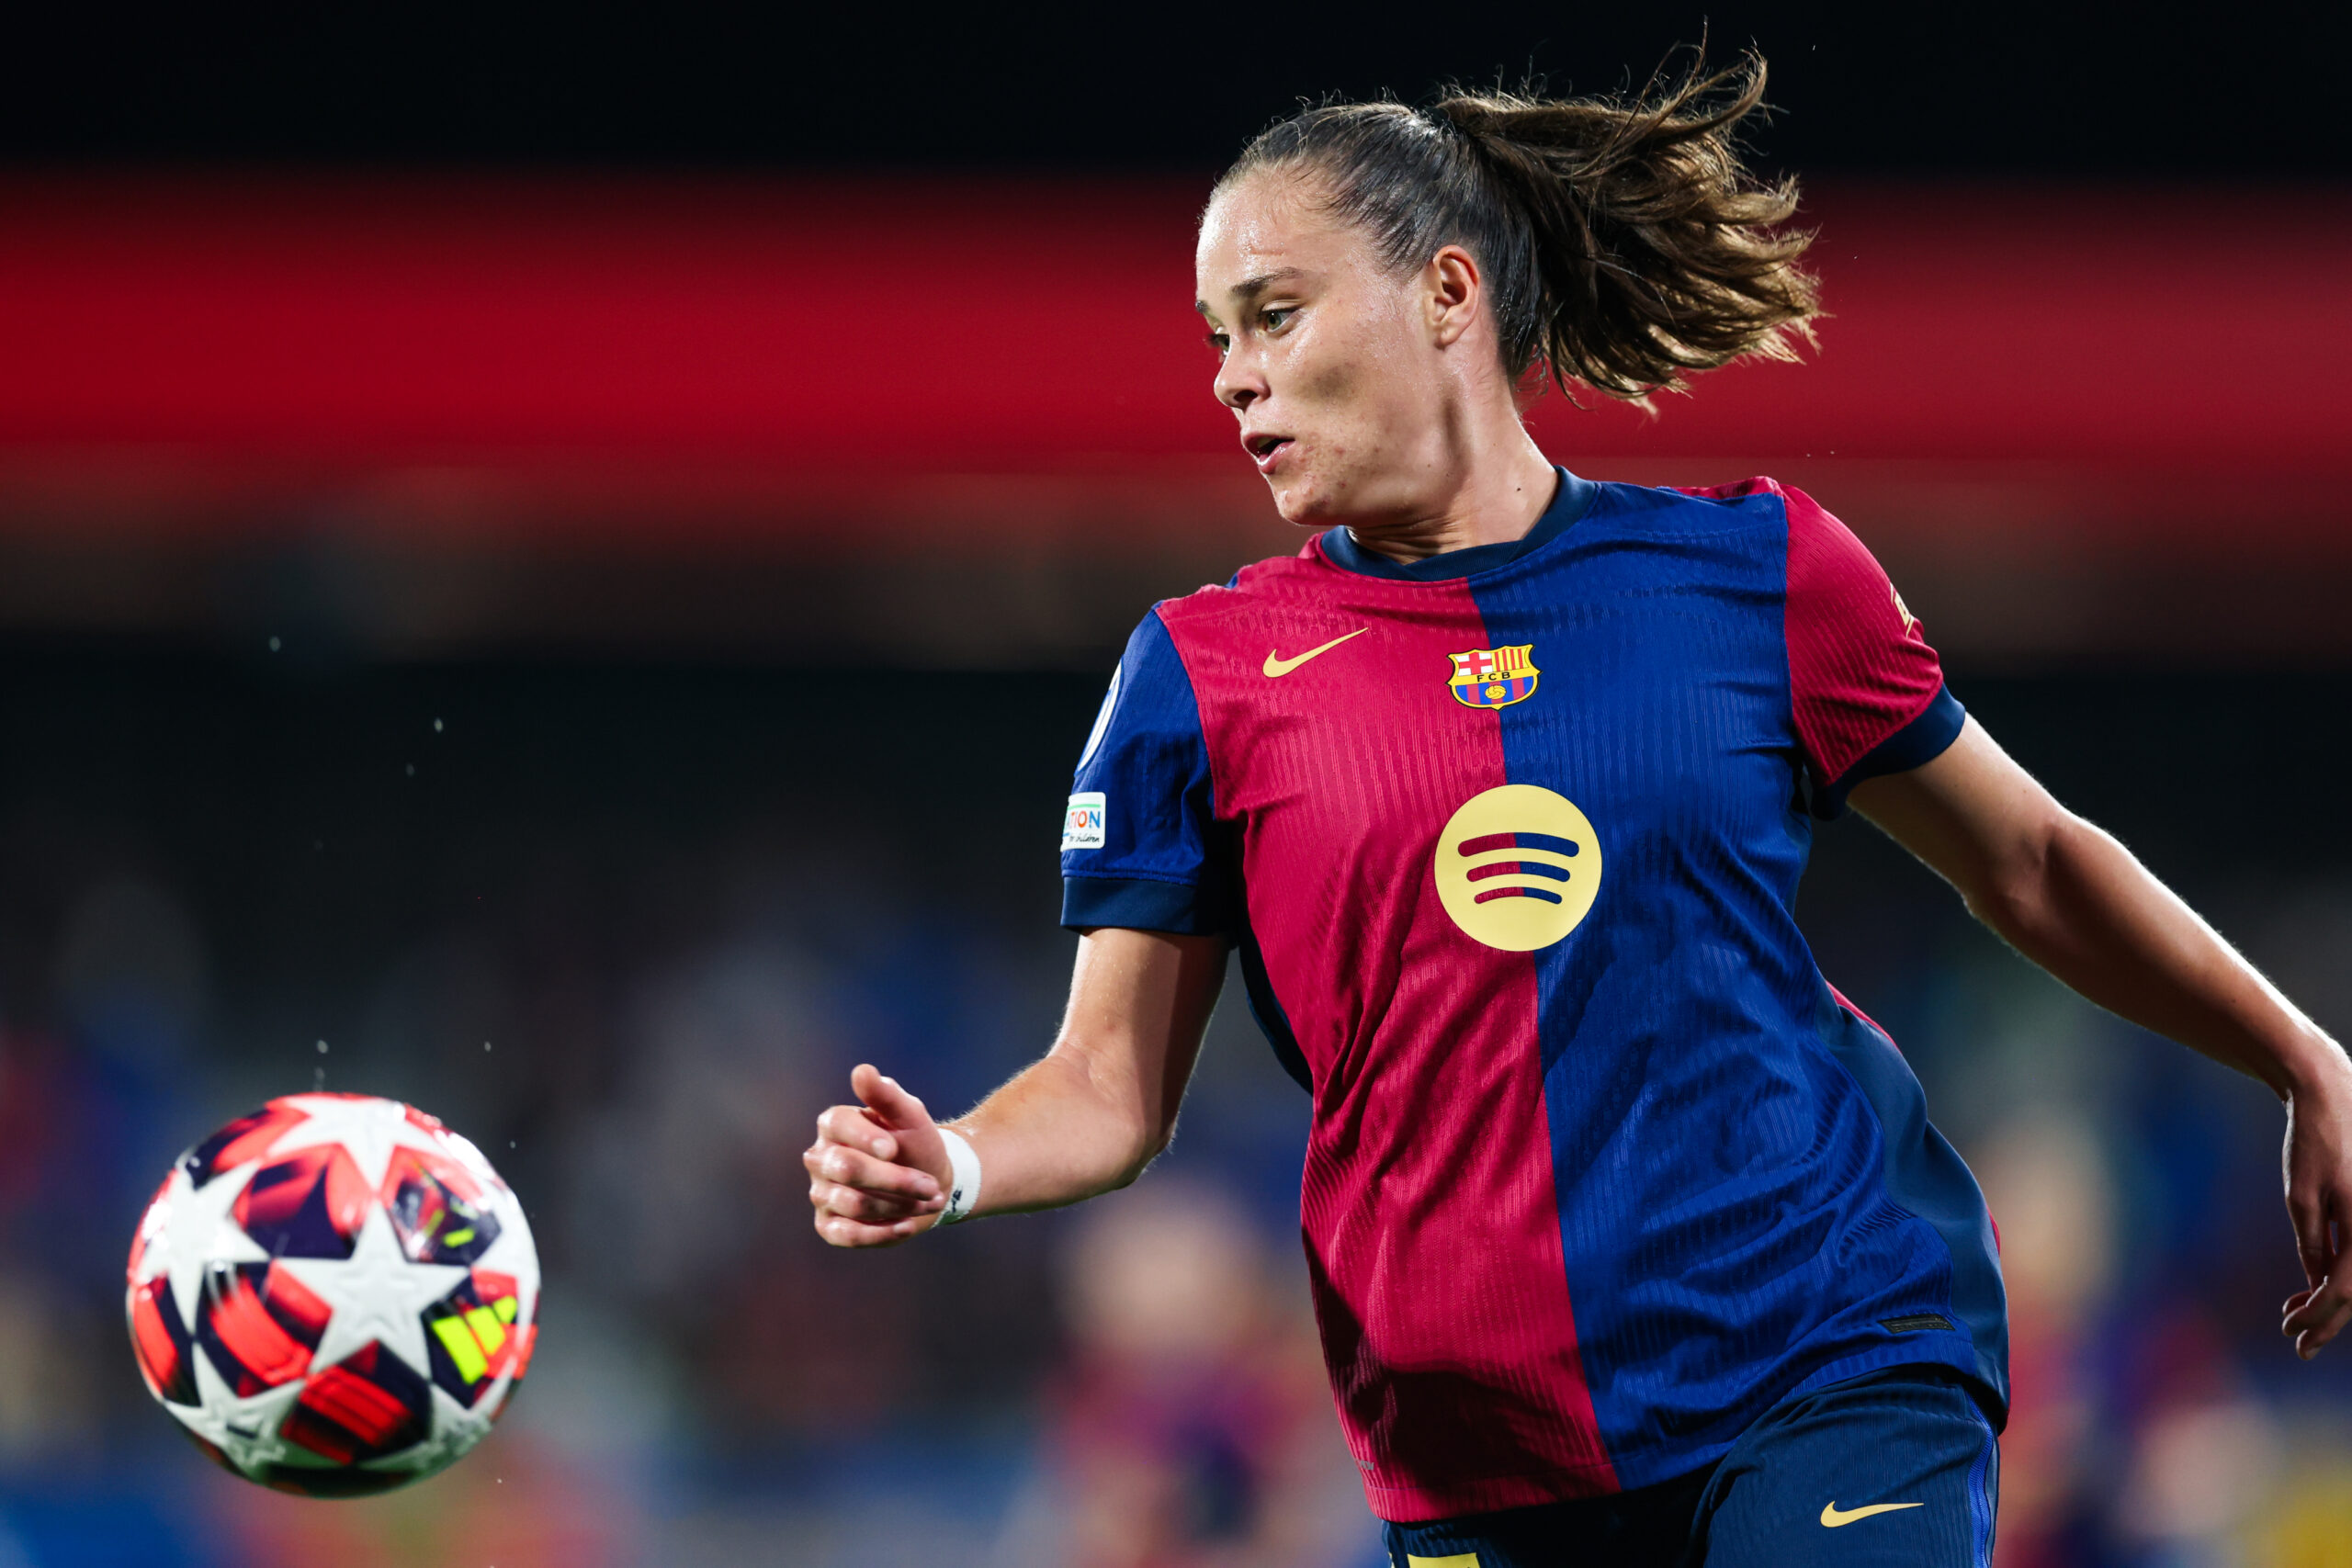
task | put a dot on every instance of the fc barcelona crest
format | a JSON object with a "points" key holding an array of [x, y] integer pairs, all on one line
{"points": [[1493, 677]]}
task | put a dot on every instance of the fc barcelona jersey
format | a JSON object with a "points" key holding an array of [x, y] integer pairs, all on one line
{"points": [[1600, 1167]]}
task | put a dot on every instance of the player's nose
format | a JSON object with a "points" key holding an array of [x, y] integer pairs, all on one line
{"points": [[1239, 384]]}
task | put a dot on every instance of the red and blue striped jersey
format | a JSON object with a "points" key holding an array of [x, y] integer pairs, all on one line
{"points": [[1600, 1167]]}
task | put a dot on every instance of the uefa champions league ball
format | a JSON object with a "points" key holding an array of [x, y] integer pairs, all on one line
{"points": [[335, 1295]]}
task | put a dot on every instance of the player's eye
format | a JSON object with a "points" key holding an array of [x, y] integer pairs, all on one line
{"points": [[1220, 343], [1278, 317]]}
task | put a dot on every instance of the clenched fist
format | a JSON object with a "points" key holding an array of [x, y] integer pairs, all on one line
{"points": [[878, 1170]]}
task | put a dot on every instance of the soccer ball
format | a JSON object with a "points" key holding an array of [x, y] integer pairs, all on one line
{"points": [[335, 1295]]}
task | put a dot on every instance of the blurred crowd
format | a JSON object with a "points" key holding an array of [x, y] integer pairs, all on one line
{"points": [[1132, 1384]]}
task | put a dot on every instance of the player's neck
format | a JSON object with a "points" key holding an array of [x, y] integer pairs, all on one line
{"points": [[1498, 499]]}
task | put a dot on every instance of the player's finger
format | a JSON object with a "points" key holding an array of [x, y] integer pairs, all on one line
{"points": [[869, 1205], [866, 1207], [874, 1207], [853, 1167], [2321, 1318], [886, 1099], [2309, 1311], [2311, 1342], [855, 1126], [832, 1201], [841, 1231]]}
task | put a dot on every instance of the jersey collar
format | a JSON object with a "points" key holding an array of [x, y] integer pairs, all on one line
{"points": [[1568, 503]]}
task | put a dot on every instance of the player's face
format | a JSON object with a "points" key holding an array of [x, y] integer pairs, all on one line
{"points": [[1325, 356]]}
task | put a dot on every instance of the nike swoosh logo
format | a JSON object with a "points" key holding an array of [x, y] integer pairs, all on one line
{"points": [[1276, 667], [1833, 1518]]}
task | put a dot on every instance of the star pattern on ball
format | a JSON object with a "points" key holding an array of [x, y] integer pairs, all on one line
{"points": [[376, 1293], [196, 1233], [244, 1429], [368, 1130]]}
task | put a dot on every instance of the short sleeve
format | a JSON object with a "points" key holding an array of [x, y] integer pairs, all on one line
{"points": [[1867, 690], [1139, 844]]}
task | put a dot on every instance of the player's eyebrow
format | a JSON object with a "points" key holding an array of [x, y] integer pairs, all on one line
{"points": [[1249, 290]]}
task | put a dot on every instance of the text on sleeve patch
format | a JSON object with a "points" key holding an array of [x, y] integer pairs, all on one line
{"points": [[1082, 828]]}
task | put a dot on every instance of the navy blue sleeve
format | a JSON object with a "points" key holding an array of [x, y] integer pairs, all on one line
{"points": [[1916, 744], [1140, 842]]}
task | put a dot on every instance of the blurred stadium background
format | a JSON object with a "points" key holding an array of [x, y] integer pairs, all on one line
{"points": [[556, 569]]}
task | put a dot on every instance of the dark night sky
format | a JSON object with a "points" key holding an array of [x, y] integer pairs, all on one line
{"points": [[2247, 91]]}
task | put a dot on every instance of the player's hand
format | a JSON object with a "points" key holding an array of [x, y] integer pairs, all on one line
{"points": [[878, 1171], [2319, 1201]]}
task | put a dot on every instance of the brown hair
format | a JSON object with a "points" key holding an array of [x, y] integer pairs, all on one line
{"points": [[1624, 243]]}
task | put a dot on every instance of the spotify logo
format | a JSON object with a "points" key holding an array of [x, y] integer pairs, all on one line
{"points": [[1517, 868]]}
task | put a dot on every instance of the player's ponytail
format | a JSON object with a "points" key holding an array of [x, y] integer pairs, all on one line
{"points": [[1624, 241]]}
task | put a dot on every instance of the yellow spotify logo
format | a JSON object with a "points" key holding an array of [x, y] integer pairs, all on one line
{"points": [[1517, 868]]}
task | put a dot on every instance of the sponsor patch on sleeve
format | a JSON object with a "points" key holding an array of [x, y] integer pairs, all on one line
{"points": [[1082, 828]]}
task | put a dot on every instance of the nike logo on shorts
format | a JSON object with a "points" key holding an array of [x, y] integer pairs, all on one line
{"points": [[1832, 1515]]}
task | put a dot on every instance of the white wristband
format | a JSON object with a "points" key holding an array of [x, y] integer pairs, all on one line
{"points": [[964, 1186]]}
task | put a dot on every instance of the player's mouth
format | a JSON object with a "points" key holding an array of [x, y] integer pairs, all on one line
{"points": [[1266, 450]]}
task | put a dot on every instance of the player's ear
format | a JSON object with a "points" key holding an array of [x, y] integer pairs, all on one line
{"points": [[1451, 286]]}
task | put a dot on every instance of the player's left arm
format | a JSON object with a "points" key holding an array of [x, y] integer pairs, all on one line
{"points": [[2071, 898]]}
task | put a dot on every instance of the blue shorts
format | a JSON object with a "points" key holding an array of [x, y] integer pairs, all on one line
{"points": [[1897, 1468]]}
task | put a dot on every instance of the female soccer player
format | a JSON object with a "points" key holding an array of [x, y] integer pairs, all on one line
{"points": [[1629, 1238]]}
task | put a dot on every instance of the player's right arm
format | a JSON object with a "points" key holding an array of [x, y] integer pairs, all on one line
{"points": [[1151, 895], [1084, 1119]]}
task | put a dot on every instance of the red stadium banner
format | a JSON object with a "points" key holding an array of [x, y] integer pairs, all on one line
{"points": [[677, 365]]}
